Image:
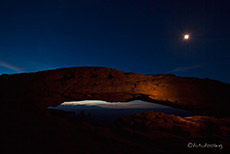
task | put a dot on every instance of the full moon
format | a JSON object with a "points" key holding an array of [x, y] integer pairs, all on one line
{"points": [[186, 36]]}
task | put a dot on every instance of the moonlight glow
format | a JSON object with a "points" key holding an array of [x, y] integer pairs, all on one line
{"points": [[186, 36]]}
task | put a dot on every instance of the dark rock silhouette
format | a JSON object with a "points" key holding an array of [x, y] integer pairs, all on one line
{"points": [[27, 124], [51, 88]]}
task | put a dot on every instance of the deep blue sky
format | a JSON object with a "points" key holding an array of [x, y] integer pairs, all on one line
{"points": [[143, 36]]}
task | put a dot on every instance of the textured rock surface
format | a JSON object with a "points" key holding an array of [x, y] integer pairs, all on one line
{"points": [[27, 125], [51, 88], [201, 128], [176, 132]]}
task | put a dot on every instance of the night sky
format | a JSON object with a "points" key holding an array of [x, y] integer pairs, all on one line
{"points": [[143, 36]]}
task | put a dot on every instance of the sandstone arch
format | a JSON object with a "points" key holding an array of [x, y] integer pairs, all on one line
{"points": [[37, 91]]}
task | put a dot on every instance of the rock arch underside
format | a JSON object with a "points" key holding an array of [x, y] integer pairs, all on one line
{"points": [[25, 97]]}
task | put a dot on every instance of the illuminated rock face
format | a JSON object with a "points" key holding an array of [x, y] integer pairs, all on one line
{"points": [[51, 88], [26, 121]]}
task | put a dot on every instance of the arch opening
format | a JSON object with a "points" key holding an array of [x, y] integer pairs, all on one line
{"points": [[104, 111]]}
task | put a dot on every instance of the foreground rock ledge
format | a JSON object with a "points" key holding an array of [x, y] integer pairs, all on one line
{"points": [[31, 92]]}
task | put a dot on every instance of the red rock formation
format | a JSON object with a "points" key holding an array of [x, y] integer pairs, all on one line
{"points": [[51, 88], [25, 122], [177, 132]]}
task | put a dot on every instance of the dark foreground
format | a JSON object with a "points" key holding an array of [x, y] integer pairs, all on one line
{"points": [[149, 132]]}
